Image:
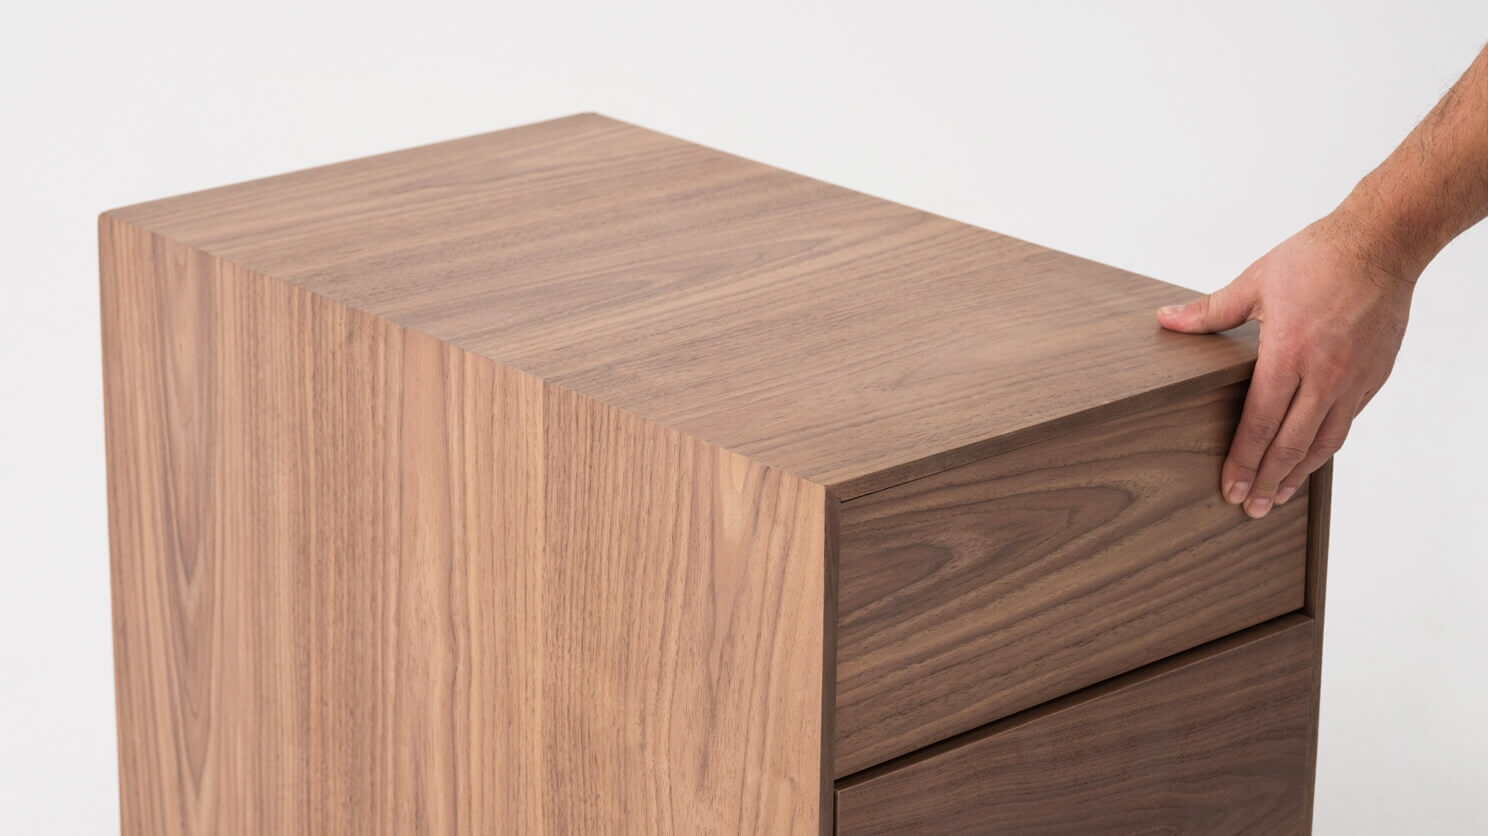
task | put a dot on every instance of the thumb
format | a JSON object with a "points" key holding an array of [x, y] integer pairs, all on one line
{"points": [[1221, 310]]}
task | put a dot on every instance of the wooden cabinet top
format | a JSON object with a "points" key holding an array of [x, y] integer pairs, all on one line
{"points": [[854, 342]]}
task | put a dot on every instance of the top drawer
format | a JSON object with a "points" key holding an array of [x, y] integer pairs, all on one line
{"points": [[980, 591]]}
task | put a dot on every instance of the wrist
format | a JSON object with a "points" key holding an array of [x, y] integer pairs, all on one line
{"points": [[1385, 230]]}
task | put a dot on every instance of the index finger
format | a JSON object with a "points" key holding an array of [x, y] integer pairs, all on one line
{"points": [[1272, 388]]}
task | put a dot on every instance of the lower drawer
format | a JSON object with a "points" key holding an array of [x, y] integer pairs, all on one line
{"points": [[1215, 740]]}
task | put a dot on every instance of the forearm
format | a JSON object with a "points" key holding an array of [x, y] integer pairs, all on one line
{"points": [[1432, 188]]}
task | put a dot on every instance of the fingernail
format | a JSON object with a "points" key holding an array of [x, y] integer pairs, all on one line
{"points": [[1236, 493], [1284, 494], [1258, 507], [1171, 310]]}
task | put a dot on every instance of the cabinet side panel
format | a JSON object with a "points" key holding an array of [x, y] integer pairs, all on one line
{"points": [[685, 589], [365, 582], [1319, 512]]}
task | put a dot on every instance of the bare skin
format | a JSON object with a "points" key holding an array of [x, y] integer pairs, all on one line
{"points": [[1333, 299]]}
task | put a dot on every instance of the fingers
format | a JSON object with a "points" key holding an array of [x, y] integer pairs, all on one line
{"points": [[1290, 448], [1225, 308], [1266, 405], [1330, 437]]}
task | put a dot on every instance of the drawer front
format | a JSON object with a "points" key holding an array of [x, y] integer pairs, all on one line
{"points": [[987, 589], [1215, 741]]}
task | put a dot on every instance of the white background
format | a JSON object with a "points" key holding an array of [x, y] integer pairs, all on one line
{"points": [[1179, 140]]}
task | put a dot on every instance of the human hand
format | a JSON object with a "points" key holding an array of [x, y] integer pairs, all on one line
{"points": [[1333, 303]]}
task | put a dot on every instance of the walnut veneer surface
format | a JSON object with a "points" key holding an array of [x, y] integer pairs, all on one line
{"points": [[576, 478], [851, 341], [984, 590], [1215, 741]]}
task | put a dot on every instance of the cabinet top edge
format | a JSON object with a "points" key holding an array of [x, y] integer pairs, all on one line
{"points": [[855, 342]]}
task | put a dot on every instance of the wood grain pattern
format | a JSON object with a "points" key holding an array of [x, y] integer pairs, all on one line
{"points": [[366, 582], [498, 486], [754, 309], [1211, 742], [984, 590]]}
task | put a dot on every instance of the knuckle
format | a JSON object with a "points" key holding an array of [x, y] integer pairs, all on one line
{"points": [[1291, 355], [1289, 455], [1332, 367], [1258, 432], [1327, 445], [1238, 470], [1329, 374]]}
